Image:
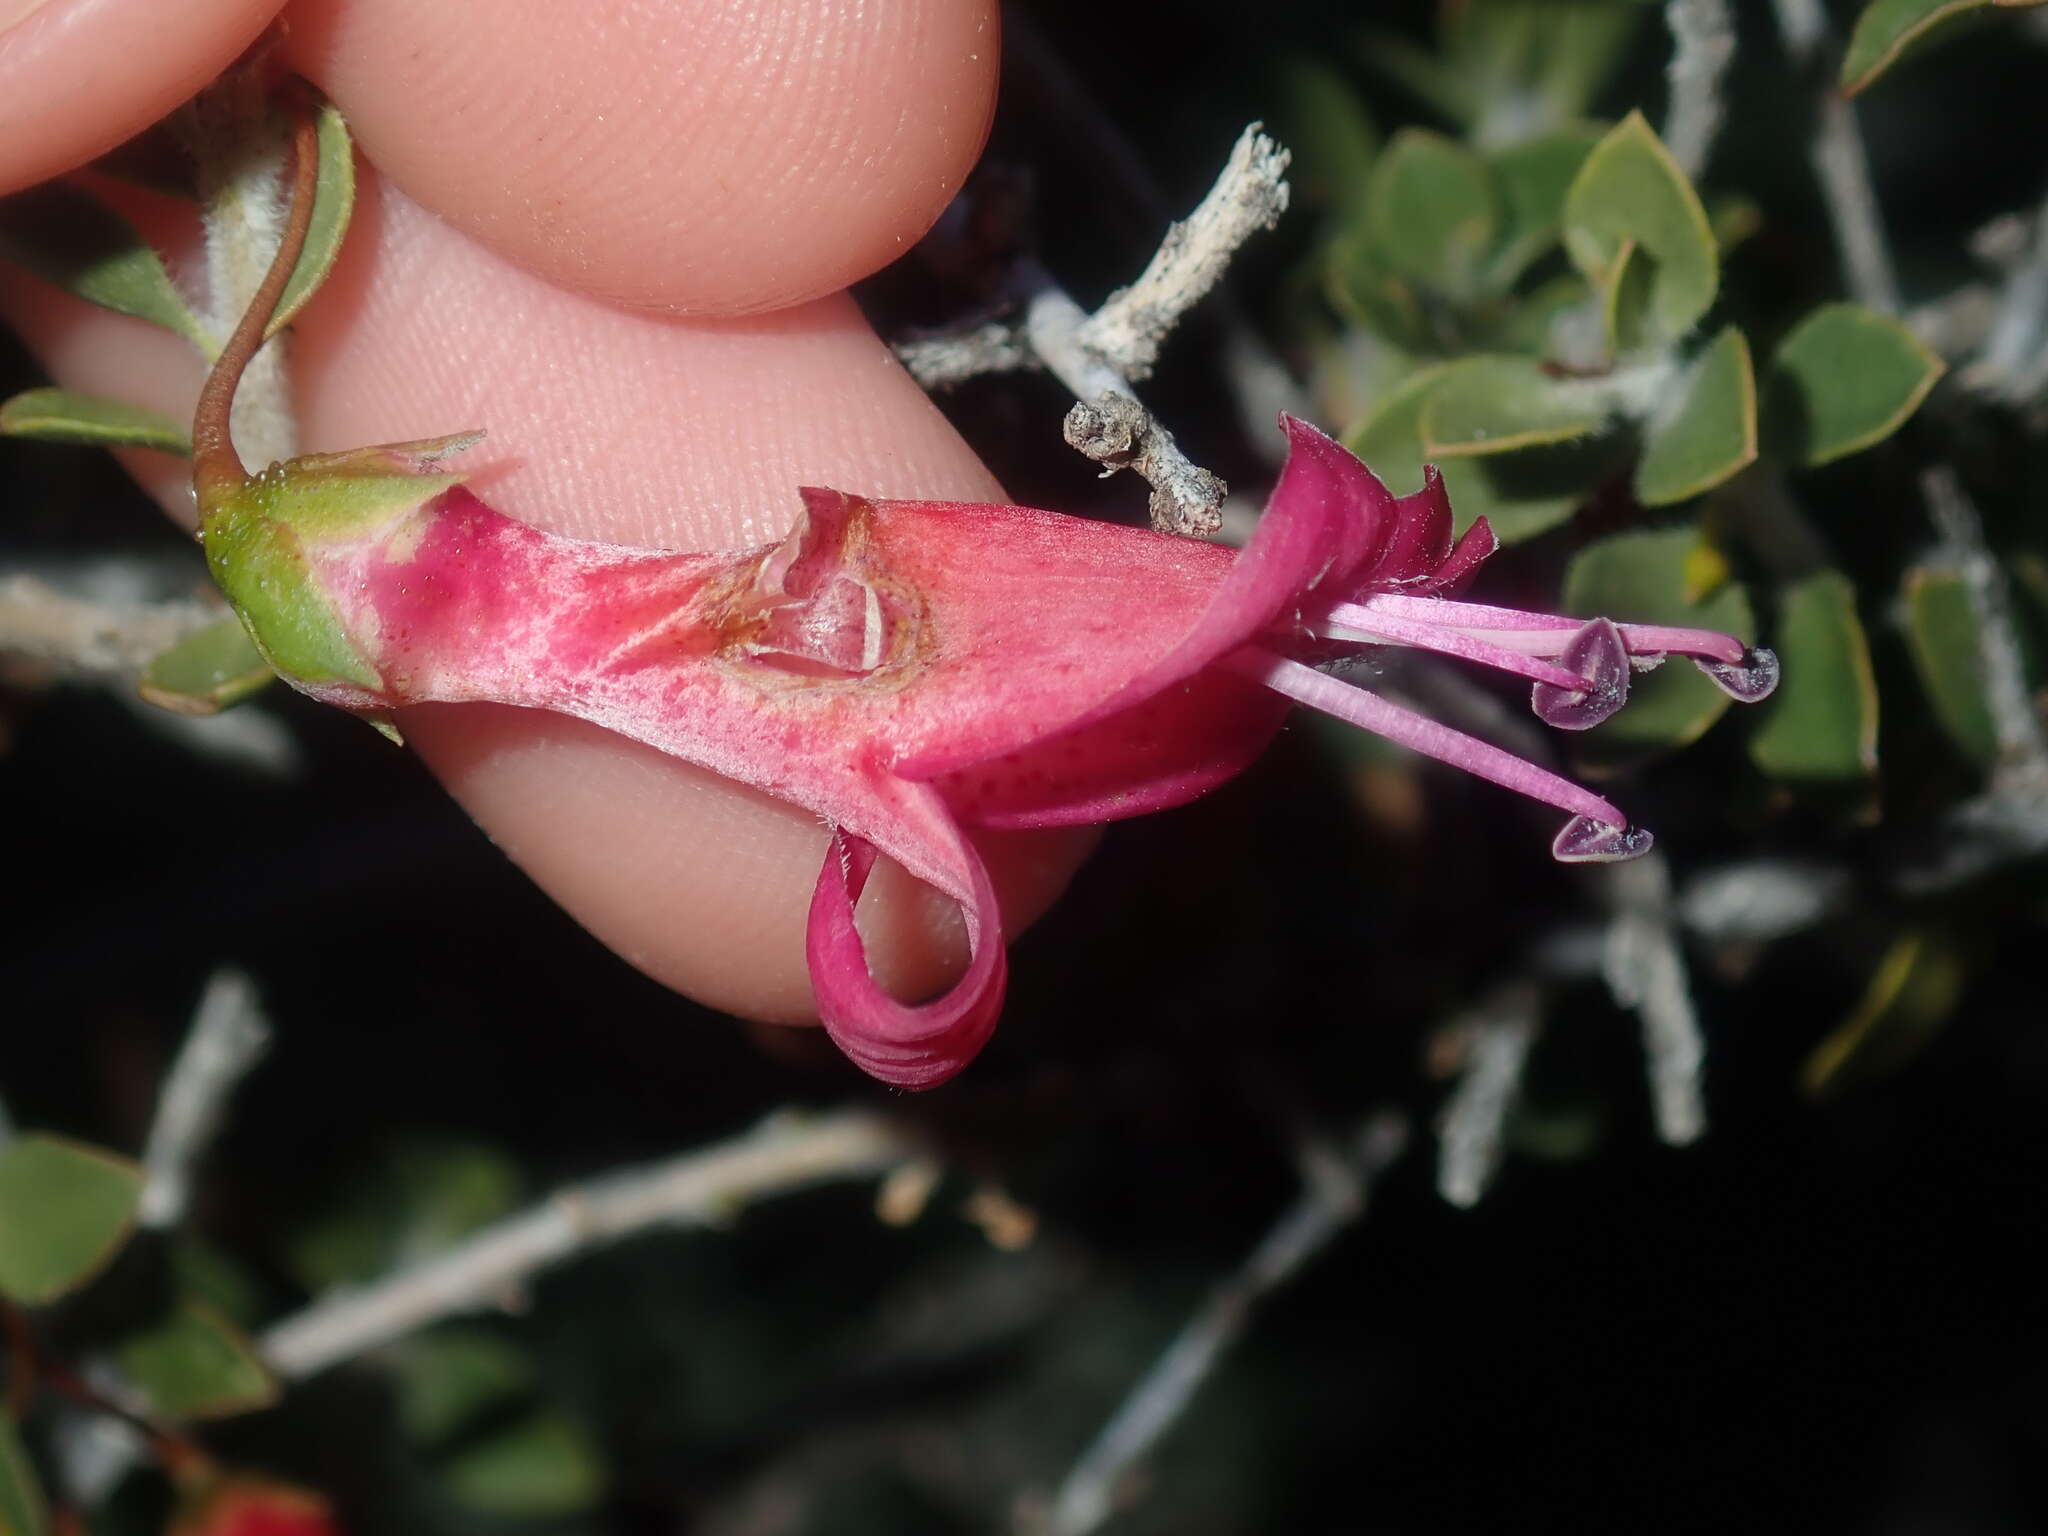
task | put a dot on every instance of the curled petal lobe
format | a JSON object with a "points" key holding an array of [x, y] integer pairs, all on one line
{"points": [[908, 1046]]}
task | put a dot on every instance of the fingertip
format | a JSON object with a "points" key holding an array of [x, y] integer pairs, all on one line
{"points": [[78, 77], [703, 156]]}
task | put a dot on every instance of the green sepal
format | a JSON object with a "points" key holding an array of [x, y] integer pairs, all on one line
{"points": [[207, 671], [1845, 378], [1712, 432], [66, 416], [1631, 203], [65, 1211], [196, 1364], [1821, 725], [258, 538], [24, 1511], [72, 240], [1643, 576]]}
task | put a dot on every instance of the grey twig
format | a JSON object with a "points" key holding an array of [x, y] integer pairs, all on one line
{"points": [[228, 1036], [1841, 163], [1702, 46], [1497, 1036], [1645, 971], [703, 1187], [1336, 1183], [2014, 362], [89, 638], [1097, 356]]}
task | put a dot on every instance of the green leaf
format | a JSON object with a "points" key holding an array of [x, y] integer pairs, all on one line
{"points": [[1360, 287], [1889, 30], [1431, 211], [1910, 996], [65, 1211], [542, 1467], [65, 416], [23, 1511], [1822, 722], [1846, 377], [1519, 494], [1641, 577], [334, 202], [1484, 405], [1329, 130], [1631, 193], [1533, 178], [428, 1198], [71, 239], [1710, 435], [451, 1376], [1941, 631], [196, 1364], [207, 671]]}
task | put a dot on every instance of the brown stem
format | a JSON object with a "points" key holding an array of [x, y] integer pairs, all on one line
{"points": [[216, 467], [21, 1361]]}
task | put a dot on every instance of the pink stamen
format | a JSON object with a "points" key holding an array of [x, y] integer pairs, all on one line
{"points": [[1349, 621], [1544, 634], [1370, 712]]}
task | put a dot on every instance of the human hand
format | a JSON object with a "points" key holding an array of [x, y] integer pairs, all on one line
{"points": [[615, 236]]}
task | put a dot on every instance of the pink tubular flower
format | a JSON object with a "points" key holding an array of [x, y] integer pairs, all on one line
{"points": [[907, 669]]}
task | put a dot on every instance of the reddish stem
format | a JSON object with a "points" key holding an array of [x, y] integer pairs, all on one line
{"points": [[216, 468]]}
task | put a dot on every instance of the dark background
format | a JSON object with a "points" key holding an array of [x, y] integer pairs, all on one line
{"points": [[1822, 1318]]}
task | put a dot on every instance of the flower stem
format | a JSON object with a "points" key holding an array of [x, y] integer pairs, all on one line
{"points": [[216, 468]]}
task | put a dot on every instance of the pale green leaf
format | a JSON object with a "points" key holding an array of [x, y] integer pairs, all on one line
{"points": [[196, 1364], [1431, 211], [65, 416], [1711, 434], [1941, 631], [334, 201], [1630, 202], [207, 671], [543, 1466], [1845, 378], [1910, 996], [1889, 30], [1821, 724], [1486, 405], [65, 1210], [71, 239]]}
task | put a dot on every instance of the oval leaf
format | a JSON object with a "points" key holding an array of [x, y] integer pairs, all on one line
{"points": [[1484, 405], [1847, 377], [1941, 631], [1822, 723], [334, 202], [1532, 179], [1910, 996], [206, 671], [450, 1378], [1630, 193], [543, 1466], [71, 239], [1642, 578], [1888, 30], [196, 1364], [1519, 494], [23, 1510], [1431, 210], [65, 1210], [1710, 435], [65, 416]]}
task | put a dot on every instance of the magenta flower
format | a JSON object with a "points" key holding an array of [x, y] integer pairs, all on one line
{"points": [[906, 669]]}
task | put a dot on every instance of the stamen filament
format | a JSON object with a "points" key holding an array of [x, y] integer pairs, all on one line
{"points": [[1520, 630], [1370, 712], [1390, 629]]}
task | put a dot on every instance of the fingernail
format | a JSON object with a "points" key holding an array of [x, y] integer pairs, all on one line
{"points": [[14, 12]]}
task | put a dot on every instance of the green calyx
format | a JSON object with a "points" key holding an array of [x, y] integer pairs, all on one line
{"points": [[263, 532]]}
